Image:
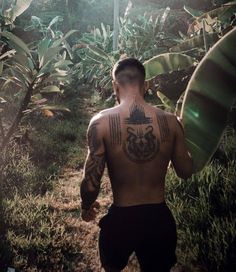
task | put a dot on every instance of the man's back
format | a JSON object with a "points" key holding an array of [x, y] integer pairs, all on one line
{"points": [[139, 142]]}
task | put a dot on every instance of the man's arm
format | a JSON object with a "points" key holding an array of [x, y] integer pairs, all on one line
{"points": [[181, 158], [94, 165]]}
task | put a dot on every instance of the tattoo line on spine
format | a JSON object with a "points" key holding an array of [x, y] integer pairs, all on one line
{"points": [[163, 126], [115, 129]]}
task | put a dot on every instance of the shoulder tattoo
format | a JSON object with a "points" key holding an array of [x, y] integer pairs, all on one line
{"points": [[115, 129], [163, 126]]}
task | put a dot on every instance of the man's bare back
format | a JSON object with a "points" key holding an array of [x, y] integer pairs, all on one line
{"points": [[136, 141]]}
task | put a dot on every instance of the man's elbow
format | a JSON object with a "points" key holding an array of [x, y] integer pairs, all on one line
{"points": [[185, 174]]}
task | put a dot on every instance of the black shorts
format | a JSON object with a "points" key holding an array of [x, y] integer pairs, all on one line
{"points": [[148, 230]]}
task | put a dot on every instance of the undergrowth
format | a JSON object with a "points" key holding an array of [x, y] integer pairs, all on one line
{"points": [[204, 208]]}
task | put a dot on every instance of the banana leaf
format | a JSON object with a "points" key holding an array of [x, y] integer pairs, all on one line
{"points": [[169, 105], [208, 99], [195, 42], [166, 63], [215, 13], [20, 7], [193, 12]]}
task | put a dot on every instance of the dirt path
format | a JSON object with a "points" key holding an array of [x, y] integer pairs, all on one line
{"points": [[65, 198]]}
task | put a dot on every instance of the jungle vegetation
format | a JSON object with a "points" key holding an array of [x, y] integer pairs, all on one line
{"points": [[56, 58]]}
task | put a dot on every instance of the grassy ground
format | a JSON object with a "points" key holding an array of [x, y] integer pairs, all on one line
{"points": [[41, 228]]}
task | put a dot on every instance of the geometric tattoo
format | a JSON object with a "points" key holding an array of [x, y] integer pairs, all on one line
{"points": [[115, 129], [137, 116], [163, 126]]}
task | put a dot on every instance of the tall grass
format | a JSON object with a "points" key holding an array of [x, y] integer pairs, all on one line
{"points": [[204, 207]]}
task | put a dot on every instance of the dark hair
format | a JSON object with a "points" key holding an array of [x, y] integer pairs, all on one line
{"points": [[129, 71]]}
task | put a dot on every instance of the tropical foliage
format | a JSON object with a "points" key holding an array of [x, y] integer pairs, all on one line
{"points": [[34, 73], [51, 83]]}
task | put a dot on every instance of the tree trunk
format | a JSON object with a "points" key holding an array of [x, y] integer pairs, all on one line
{"points": [[18, 118]]}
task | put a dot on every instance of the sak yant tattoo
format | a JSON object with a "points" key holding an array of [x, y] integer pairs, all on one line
{"points": [[163, 126], [115, 129], [141, 144], [137, 116], [94, 168]]}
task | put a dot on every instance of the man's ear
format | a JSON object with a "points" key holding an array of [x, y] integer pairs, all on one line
{"points": [[115, 87], [145, 87]]}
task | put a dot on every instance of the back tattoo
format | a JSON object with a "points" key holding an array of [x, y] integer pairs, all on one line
{"points": [[141, 144]]}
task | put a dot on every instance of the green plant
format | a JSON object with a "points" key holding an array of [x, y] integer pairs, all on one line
{"points": [[206, 29], [10, 10], [36, 73]]}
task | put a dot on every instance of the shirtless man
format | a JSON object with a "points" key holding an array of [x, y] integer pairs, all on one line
{"points": [[136, 141]]}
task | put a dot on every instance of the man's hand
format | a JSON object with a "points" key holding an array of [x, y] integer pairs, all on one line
{"points": [[90, 215]]}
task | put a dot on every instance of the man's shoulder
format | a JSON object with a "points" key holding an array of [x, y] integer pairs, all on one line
{"points": [[168, 115], [101, 116]]}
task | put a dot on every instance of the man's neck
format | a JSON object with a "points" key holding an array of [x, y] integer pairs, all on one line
{"points": [[130, 96]]}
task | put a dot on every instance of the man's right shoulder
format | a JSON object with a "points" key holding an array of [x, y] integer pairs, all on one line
{"points": [[101, 116]]}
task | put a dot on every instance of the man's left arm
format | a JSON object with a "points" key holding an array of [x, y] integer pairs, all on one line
{"points": [[93, 170]]}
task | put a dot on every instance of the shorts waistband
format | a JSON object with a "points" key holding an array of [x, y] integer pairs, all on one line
{"points": [[140, 207]]}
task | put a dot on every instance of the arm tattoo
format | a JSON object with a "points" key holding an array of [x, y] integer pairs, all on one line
{"points": [[141, 144], [163, 126], [115, 129], [94, 168]]}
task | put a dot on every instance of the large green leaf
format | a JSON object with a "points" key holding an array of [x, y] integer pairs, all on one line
{"points": [[193, 12], [99, 52], [61, 40], [16, 43], [208, 99], [166, 63], [168, 104], [49, 55], [42, 49], [195, 42], [20, 7]]}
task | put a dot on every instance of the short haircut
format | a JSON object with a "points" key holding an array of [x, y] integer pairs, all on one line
{"points": [[129, 71]]}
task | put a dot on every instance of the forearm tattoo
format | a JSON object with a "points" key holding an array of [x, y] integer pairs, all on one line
{"points": [[94, 168]]}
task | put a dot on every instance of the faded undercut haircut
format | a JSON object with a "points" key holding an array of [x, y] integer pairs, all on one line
{"points": [[129, 71]]}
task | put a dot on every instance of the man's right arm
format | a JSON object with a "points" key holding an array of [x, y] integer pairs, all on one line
{"points": [[181, 158]]}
